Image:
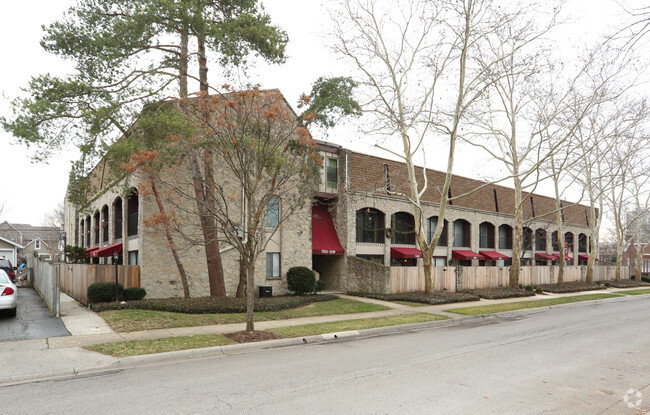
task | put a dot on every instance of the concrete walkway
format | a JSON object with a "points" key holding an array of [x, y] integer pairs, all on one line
{"points": [[59, 356]]}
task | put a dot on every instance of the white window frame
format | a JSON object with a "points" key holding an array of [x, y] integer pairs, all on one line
{"points": [[273, 269]]}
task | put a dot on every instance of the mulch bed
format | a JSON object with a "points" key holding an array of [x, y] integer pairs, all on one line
{"points": [[571, 287], [498, 293], [251, 336], [432, 299], [627, 284]]}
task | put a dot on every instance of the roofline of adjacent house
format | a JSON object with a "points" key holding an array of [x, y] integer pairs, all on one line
{"points": [[11, 242]]}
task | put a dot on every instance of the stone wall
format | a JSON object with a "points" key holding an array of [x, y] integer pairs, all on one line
{"points": [[367, 277]]}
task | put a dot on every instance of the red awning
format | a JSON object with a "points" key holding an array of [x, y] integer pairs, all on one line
{"points": [[493, 255], [405, 253], [582, 257], [323, 235], [89, 251], [108, 250], [459, 254], [546, 257]]}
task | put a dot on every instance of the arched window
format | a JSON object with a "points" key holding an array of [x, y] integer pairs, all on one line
{"points": [[527, 239], [486, 235], [370, 226], [117, 213], [505, 237], [104, 224], [403, 226], [568, 239], [462, 234], [96, 228], [432, 222], [540, 240], [132, 212], [88, 231], [554, 241], [582, 242]]}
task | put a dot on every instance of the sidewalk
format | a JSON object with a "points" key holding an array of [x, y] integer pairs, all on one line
{"points": [[60, 356]]}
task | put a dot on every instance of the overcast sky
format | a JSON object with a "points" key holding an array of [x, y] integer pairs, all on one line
{"points": [[30, 191]]}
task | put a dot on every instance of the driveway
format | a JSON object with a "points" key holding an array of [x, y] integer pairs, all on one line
{"points": [[32, 321]]}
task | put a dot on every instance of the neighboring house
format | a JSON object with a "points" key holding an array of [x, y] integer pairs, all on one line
{"points": [[9, 249], [43, 240], [630, 258], [357, 212]]}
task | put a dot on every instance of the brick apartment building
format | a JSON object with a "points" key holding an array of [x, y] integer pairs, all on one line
{"points": [[356, 221]]}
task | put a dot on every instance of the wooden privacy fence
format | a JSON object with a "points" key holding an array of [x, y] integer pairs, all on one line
{"points": [[75, 278], [411, 279]]}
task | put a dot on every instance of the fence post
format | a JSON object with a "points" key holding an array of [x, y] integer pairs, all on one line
{"points": [[458, 270]]}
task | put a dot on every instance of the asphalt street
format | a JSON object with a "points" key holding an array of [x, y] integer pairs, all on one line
{"points": [[32, 321], [577, 359]]}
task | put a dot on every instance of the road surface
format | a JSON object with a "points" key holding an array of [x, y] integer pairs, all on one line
{"points": [[576, 359]]}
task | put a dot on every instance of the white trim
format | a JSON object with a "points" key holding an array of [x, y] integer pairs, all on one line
{"points": [[11, 242]]}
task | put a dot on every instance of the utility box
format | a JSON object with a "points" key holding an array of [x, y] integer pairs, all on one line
{"points": [[265, 291]]}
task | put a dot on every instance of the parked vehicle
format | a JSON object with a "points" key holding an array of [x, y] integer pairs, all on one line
{"points": [[6, 266], [8, 294]]}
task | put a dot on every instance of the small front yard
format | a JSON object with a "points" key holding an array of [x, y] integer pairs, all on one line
{"points": [[140, 347], [498, 308], [127, 320]]}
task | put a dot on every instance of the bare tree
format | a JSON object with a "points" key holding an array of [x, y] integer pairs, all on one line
{"points": [[414, 61], [628, 170]]}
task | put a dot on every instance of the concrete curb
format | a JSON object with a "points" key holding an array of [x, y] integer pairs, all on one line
{"points": [[235, 349]]}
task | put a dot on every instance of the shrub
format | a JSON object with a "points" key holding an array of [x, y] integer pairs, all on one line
{"points": [[134, 293], [498, 293], [101, 292], [645, 279], [420, 297], [528, 288], [320, 286], [301, 280], [538, 289]]}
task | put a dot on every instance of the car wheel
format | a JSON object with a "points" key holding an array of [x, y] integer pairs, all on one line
{"points": [[12, 312]]}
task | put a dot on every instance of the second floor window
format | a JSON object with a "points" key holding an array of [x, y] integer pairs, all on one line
{"points": [[332, 172], [272, 213]]}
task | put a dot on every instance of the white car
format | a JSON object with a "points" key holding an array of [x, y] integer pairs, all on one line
{"points": [[8, 294]]}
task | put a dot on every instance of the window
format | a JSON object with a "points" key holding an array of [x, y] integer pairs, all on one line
{"points": [[117, 208], [527, 239], [272, 213], [273, 265], [132, 212], [486, 235], [433, 222], [505, 237], [403, 229], [540, 240], [554, 241], [377, 259], [133, 257], [332, 172], [461, 233], [370, 226], [37, 244]]}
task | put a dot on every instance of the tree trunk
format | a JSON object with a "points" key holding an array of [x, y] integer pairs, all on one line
{"points": [[250, 296], [517, 234], [182, 65], [170, 240], [242, 280]]}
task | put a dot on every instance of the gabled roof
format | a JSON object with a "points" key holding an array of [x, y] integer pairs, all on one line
{"points": [[17, 245]]}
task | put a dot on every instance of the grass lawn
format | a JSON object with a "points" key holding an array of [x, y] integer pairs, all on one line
{"points": [[136, 320], [169, 344], [365, 323], [635, 292], [497, 308], [140, 347], [411, 303]]}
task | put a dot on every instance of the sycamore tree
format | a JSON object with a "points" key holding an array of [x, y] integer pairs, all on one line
{"points": [[127, 54], [626, 164], [268, 169], [415, 63]]}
